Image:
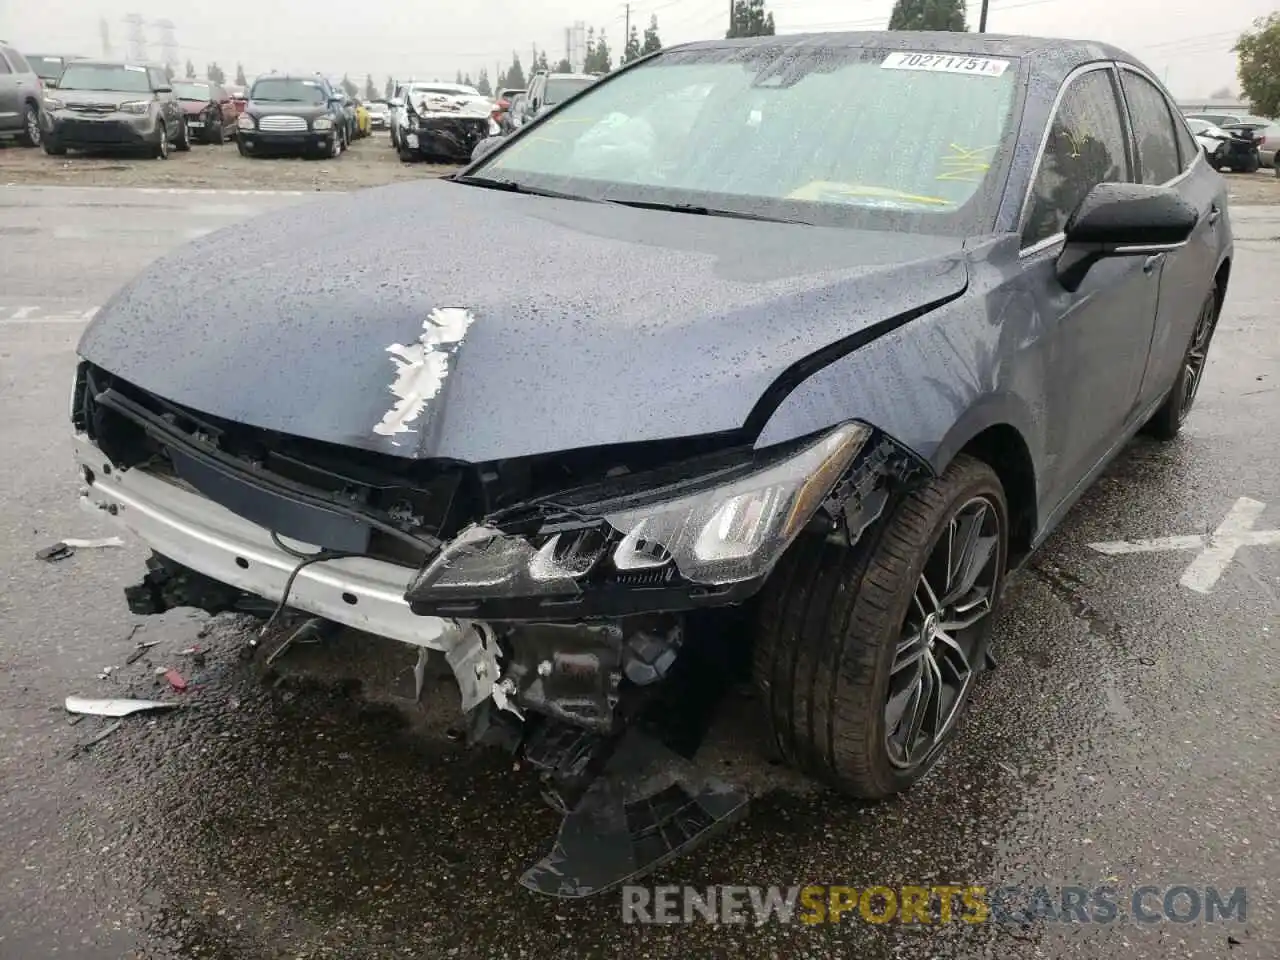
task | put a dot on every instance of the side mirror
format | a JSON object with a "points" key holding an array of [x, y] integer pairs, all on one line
{"points": [[486, 147], [1123, 220], [52, 83], [164, 89]]}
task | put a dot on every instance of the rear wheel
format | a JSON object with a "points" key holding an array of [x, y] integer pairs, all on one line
{"points": [[1252, 164], [1168, 420], [31, 133], [866, 658]]}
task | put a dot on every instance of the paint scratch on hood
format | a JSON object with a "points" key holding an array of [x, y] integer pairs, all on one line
{"points": [[422, 366]]}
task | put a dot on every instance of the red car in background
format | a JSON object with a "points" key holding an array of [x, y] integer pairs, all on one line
{"points": [[239, 98], [211, 114]]}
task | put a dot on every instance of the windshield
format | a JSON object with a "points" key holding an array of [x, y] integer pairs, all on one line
{"points": [[283, 90], [105, 76], [560, 89], [192, 91], [817, 135], [46, 68]]}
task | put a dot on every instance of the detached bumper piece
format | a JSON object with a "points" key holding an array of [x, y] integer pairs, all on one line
{"points": [[647, 807]]}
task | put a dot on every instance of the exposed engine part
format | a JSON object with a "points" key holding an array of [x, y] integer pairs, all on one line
{"points": [[572, 672], [473, 657]]}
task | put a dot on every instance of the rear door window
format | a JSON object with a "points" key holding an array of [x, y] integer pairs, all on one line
{"points": [[1153, 129]]}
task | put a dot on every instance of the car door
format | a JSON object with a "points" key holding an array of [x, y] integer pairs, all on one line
{"points": [[169, 109], [1168, 155], [10, 96], [1097, 337]]}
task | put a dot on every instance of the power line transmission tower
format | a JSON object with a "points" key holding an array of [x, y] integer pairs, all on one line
{"points": [[168, 42], [137, 36]]}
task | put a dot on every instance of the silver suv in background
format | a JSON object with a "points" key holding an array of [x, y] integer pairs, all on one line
{"points": [[20, 95]]}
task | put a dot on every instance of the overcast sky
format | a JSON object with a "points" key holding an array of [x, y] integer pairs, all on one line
{"points": [[1188, 42]]}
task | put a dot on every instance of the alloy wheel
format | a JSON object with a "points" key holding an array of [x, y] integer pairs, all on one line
{"points": [[33, 127], [162, 149], [933, 664], [1197, 355]]}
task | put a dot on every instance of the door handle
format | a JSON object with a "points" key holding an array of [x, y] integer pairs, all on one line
{"points": [[1214, 215], [1152, 262]]}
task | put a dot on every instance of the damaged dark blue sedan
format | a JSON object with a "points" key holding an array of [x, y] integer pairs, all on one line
{"points": [[812, 340]]}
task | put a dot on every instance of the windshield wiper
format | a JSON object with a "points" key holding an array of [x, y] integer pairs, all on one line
{"points": [[701, 211], [511, 186]]}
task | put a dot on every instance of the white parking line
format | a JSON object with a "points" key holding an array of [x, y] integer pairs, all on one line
{"points": [[1217, 549], [38, 314]]}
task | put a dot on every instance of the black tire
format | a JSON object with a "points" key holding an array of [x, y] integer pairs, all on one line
{"points": [[830, 626], [183, 143], [31, 133], [406, 155], [215, 133], [161, 150], [1252, 164], [54, 150], [1168, 420], [244, 151]]}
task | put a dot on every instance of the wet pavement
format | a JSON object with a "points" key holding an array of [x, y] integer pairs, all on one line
{"points": [[1129, 736]]}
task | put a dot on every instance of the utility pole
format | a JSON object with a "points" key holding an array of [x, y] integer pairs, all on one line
{"points": [[137, 36], [104, 33], [730, 31], [982, 18], [168, 43], [626, 31]]}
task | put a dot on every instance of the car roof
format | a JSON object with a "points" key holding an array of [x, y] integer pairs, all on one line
{"points": [[572, 76], [98, 62], [1053, 56]]}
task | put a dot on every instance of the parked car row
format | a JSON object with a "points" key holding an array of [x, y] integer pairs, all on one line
{"points": [[77, 103], [1237, 142]]}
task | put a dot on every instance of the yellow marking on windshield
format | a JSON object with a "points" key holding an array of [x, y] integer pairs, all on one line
{"points": [[965, 164], [818, 189]]}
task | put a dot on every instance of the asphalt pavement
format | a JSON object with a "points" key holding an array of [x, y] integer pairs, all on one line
{"points": [[1128, 737]]}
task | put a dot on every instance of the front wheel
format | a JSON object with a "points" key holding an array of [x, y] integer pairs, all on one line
{"points": [[161, 149], [866, 657], [183, 143], [30, 136], [1168, 420]]}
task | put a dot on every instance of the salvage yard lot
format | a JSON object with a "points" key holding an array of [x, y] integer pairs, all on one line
{"points": [[313, 810], [369, 163]]}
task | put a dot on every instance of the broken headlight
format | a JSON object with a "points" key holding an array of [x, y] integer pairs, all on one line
{"points": [[715, 534]]}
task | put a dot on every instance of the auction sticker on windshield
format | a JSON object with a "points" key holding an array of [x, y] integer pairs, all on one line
{"points": [[946, 63]]}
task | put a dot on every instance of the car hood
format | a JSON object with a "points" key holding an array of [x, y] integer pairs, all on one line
{"points": [[262, 108], [98, 98], [194, 107], [396, 320]]}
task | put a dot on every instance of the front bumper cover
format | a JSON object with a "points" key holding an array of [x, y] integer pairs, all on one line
{"points": [[192, 530], [69, 129]]}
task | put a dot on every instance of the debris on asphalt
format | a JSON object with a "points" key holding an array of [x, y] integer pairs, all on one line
{"points": [[54, 553], [141, 648], [102, 734], [175, 679], [119, 707], [66, 548], [195, 653]]}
